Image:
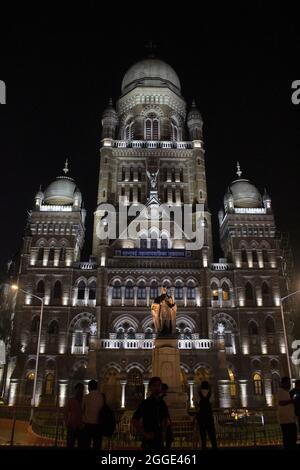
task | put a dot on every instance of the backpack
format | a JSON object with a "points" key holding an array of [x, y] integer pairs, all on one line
{"points": [[107, 421]]}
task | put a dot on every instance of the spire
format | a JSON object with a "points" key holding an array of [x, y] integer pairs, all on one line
{"points": [[238, 170], [110, 102], [194, 103], [66, 168]]}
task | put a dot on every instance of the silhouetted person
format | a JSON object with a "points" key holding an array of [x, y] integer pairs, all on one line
{"points": [[73, 418], [286, 414], [152, 418], [168, 434], [205, 416], [295, 394], [92, 404]]}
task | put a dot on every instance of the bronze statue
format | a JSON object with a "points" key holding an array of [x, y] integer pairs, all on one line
{"points": [[163, 311]]}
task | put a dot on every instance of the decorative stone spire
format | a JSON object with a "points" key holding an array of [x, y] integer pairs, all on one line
{"points": [[66, 168], [238, 170]]}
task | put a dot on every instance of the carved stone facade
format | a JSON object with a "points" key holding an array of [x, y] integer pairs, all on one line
{"points": [[97, 321]]}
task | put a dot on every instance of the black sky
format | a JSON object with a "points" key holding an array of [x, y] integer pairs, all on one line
{"points": [[60, 68]]}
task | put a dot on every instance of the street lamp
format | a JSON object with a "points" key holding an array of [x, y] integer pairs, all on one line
{"points": [[284, 332], [15, 287]]}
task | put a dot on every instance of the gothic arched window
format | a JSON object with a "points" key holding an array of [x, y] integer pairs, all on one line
{"points": [[53, 328], [81, 290], [129, 130], [269, 325], [265, 256], [257, 384], [191, 290], [225, 292], [141, 291], [252, 328], [92, 290], [214, 291], [51, 254], [152, 131], [129, 290], [249, 294], [254, 256], [178, 291], [49, 385], [62, 254], [40, 289], [116, 292], [153, 290], [57, 291], [40, 256], [265, 291], [244, 256]]}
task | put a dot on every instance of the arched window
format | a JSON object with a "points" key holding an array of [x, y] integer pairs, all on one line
{"points": [[232, 383], [129, 290], [51, 254], [123, 173], [35, 324], [143, 243], [92, 290], [53, 328], [269, 326], [265, 256], [225, 292], [254, 256], [191, 290], [257, 384], [57, 291], [29, 384], [214, 292], [164, 243], [40, 289], [265, 291], [252, 328], [116, 292], [178, 291], [49, 385], [249, 294], [81, 291], [129, 131], [244, 256], [153, 290], [175, 133], [40, 256], [152, 131], [275, 383], [141, 291], [131, 173], [153, 243], [62, 254]]}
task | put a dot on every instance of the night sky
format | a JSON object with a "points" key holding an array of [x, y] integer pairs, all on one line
{"points": [[60, 68]]}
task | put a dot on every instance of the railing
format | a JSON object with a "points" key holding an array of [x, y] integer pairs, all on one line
{"points": [[221, 266], [79, 350], [149, 343], [87, 265], [152, 144], [234, 428]]}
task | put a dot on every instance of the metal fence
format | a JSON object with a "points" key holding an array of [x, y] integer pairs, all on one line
{"points": [[234, 428]]}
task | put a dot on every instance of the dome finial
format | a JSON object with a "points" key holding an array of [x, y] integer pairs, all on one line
{"points": [[238, 169], [66, 168], [194, 103], [110, 101]]}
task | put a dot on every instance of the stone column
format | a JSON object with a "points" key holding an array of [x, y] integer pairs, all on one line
{"points": [[123, 385], [146, 387], [191, 397], [73, 343], [243, 392]]}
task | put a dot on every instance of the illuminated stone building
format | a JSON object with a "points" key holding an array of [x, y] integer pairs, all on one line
{"points": [[97, 321]]}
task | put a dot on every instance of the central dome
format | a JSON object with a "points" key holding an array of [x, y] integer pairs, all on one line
{"points": [[245, 194], [151, 72]]}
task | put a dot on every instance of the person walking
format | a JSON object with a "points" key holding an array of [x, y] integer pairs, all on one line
{"points": [[205, 416], [73, 418], [92, 404], [286, 414], [152, 418]]}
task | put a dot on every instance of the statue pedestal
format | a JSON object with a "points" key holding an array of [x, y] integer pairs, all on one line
{"points": [[166, 365]]}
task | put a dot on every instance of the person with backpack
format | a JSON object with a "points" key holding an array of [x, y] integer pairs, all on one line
{"points": [[152, 418], [107, 420], [92, 404]]}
